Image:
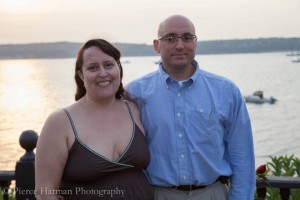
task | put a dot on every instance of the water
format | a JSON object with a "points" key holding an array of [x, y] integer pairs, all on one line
{"points": [[32, 89]]}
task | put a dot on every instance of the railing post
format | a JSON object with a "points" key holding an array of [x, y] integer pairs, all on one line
{"points": [[5, 189], [284, 193], [261, 192], [24, 174]]}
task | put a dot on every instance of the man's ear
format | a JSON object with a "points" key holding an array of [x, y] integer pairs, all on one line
{"points": [[156, 46]]}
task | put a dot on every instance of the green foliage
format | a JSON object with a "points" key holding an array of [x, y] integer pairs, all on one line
{"points": [[10, 195], [275, 165], [283, 166], [297, 166]]}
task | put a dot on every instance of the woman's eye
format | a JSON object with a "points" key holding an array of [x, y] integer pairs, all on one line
{"points": [[109, 65], [91, 68]]}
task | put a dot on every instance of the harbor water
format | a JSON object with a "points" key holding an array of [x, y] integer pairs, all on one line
{"points": [[31, 89]]}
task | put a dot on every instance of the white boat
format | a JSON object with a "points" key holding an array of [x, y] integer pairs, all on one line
{"points": [[257, 97], [157, 62], [296, 61], [125, 62], [297, 54]]}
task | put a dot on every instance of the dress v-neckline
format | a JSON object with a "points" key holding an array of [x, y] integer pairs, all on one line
{"points": [[116, 161]]}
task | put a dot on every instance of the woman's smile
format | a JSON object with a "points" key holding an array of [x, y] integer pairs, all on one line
{"points": [[104, 83]]}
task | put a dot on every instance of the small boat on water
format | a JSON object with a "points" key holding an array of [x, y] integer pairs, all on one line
{"points": [[297, 54], [125, 62], [296, 61], [157, 62], [257, 97]]}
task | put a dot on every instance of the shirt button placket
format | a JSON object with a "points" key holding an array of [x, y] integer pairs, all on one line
{"points": [[179, 120]]}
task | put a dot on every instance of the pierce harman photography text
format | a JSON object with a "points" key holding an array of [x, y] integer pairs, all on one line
{"points": [[77, 191]]}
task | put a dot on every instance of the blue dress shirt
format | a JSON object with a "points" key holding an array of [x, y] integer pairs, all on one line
{"points": [[196, 132]]}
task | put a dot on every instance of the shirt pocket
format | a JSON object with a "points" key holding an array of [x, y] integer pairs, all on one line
{"points": [[205, 124]]}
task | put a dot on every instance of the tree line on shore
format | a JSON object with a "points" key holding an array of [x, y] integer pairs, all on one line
{"points": [[70, 49]]}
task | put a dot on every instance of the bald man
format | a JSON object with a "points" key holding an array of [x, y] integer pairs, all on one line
{"points": [[196, 123]]}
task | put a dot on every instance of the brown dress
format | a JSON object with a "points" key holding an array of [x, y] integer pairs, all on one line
{"points": [[88, 175]]}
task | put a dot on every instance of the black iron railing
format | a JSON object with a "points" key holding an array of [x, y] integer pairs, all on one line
{"points": [[24, 175], [283, 183], [24, 171]]}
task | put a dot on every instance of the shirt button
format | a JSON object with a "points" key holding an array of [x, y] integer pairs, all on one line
{"points": [[184, 177], [182, 156], [178, 94], [180, 135], [178, 114]]}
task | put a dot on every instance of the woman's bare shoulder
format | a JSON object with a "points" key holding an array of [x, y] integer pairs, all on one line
{"points": [[136, 114]]}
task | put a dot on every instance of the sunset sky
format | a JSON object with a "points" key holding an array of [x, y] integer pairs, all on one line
{"points": [[136, 21]]}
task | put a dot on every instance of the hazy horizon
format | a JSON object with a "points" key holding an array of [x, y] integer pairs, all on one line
{"points": [[52, 42], [136, 21]]}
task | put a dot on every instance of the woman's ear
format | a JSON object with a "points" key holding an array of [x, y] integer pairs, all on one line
{"points": [[156, 46], [80, 75]]}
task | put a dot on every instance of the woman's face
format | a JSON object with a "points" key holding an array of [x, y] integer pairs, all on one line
{"points": [[100, 74]]}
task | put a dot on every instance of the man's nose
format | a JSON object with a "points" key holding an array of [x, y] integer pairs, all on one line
{"points": [[179, 43]]}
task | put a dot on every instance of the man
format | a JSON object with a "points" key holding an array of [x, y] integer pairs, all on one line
{"points": [[197, 125]]}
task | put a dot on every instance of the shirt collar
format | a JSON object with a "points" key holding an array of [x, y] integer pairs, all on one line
{"points": [[165, 77]]}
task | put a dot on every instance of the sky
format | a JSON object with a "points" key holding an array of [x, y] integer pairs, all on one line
{"points": [[136, 21]]}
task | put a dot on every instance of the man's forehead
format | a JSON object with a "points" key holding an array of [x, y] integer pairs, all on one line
{"points": [[176, 25]]}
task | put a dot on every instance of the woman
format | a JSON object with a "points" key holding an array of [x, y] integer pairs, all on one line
{"points": [[94, 148]]}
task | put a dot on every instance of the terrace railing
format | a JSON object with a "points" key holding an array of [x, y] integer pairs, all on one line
{"points": [[25, 178], [24, 171], [283, 183]]}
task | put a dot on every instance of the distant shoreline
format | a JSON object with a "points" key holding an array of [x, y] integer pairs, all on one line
{"points": [[57, 50], [74, 57]]}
